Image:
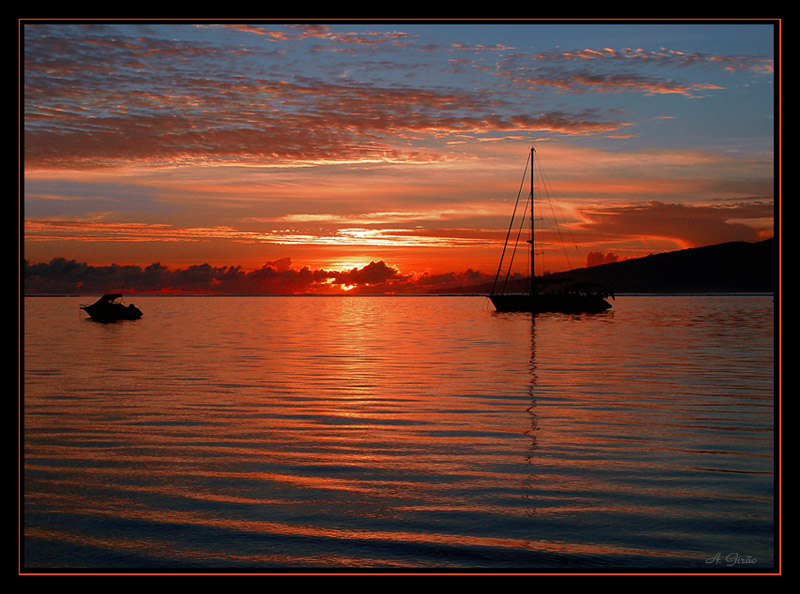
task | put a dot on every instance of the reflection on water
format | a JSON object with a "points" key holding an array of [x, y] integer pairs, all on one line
{"points": [[308, 432]]}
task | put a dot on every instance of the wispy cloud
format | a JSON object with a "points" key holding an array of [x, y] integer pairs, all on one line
{"points": [[661, 57], [96, 98], [91, 231]]}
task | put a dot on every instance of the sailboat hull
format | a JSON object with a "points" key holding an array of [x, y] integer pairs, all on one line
{"points": [[550, 302]]}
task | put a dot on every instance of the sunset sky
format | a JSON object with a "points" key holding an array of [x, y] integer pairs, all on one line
{"points": [[333, 145]]}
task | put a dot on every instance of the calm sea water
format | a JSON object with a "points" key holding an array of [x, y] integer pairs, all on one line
{"points": [[430, 433]]}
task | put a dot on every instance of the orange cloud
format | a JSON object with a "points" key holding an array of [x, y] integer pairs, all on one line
{"points": [[689, 226]]}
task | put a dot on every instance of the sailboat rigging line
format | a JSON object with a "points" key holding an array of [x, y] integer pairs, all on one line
{"points": [[545, 187], [516, 243], [510, 226]]}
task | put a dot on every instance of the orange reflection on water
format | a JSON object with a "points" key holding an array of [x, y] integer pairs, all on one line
{"points": [[328, 430], [173, 549]]}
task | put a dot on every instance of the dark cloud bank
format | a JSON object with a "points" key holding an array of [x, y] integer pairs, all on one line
{"points": [[61, 276]]}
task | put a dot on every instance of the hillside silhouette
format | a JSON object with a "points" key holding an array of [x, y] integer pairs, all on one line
{"points": [[735, 267]]}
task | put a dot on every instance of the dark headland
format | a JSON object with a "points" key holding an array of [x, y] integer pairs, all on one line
{"points": [[735, 267]]}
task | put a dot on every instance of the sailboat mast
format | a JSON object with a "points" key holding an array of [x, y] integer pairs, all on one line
{"points": [[533, 150]]}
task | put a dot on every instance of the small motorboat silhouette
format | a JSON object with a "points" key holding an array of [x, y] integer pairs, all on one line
{"points": [[110, 308]]}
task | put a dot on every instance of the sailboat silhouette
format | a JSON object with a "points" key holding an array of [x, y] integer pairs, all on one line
{"points": [[552, 294]]}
